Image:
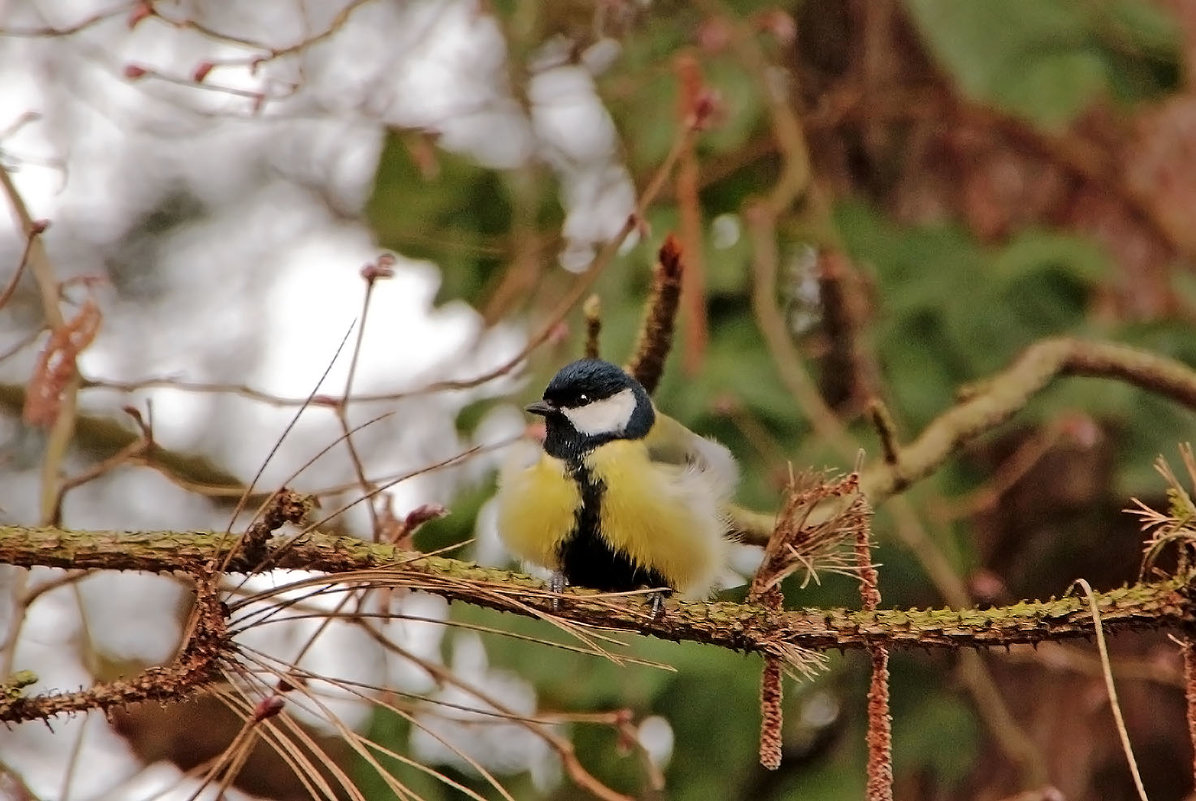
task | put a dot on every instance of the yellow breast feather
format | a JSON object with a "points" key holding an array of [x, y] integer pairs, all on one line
{"points": [[663, 516], [536, 508]]}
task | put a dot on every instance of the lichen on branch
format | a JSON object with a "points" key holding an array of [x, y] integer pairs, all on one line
{"points": [[739, 626]]}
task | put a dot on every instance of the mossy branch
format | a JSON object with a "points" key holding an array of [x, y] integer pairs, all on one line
{"points": [[986, 405], [739, 626]]}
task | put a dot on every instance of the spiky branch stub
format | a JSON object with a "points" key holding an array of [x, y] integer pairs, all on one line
{"points": [[656, 331]]}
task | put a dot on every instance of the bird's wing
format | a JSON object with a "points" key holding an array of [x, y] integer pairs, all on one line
{"points": [[669, 442]]}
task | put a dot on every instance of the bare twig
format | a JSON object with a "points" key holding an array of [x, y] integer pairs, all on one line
{"points": [[197, 666], [1112, 689], [371, 273], [38, 227]]}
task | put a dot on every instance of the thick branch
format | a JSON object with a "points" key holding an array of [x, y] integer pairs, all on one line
{"points": [[197, 666], [988, 404], [743, 627]]}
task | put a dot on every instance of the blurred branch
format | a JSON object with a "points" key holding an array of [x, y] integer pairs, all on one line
{"points": [[581, 286], [761, 223], [850, 374], [990, 403], [696, 102], [106, 437], [592, 310], [37, 230], [62, 428], [47, 31]]}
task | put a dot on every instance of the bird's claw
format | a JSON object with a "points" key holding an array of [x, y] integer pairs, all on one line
{"points": [[556, 585], [656, 604]]}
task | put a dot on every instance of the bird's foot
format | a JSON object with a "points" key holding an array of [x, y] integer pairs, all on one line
{"points": [[556, 585], [656, 601]]}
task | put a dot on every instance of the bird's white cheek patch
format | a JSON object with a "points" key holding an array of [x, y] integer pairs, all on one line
{"points": [[607, 416]]}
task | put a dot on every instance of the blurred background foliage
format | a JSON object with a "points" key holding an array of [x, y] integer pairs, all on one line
{"points": [[945, 183], [992, 172]]}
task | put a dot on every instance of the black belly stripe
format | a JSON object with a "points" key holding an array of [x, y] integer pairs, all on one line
{"points": [[588, 560]]}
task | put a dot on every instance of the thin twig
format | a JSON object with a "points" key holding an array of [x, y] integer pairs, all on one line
{"points": [[371, 273], [7, 293], [1122, 732]]}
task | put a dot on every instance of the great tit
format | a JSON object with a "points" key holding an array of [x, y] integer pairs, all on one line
{"points": [[622, 497]]}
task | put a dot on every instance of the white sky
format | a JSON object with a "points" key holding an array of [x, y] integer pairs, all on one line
{"points": [[260, 285]]}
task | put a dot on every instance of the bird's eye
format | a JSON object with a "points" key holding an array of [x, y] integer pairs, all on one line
{"points": [[583, 398]]}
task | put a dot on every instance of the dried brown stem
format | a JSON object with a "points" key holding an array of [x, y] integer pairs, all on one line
{"points": [[1189, 655], [849, 371], [694, 104], [886, 430], [656, 332], [771, 695], [880, 719], [592, 310]]}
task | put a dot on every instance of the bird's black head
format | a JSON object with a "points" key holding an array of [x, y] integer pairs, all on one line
{"points": [[590, 402]]}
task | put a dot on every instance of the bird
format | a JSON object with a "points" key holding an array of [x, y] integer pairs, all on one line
{"points": [[621, 497]]}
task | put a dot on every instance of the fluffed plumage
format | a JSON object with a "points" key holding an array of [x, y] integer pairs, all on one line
{"points": [[622, 497]]}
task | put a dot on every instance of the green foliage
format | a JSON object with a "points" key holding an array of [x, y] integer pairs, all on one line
{"points": [[392, 731], [925, 718], [457, 526], [449, 209], [950, 309], [956, 310], [1048, 60]]}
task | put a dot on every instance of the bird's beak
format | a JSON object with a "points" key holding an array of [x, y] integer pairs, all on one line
{"points": [[541, 407]]}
